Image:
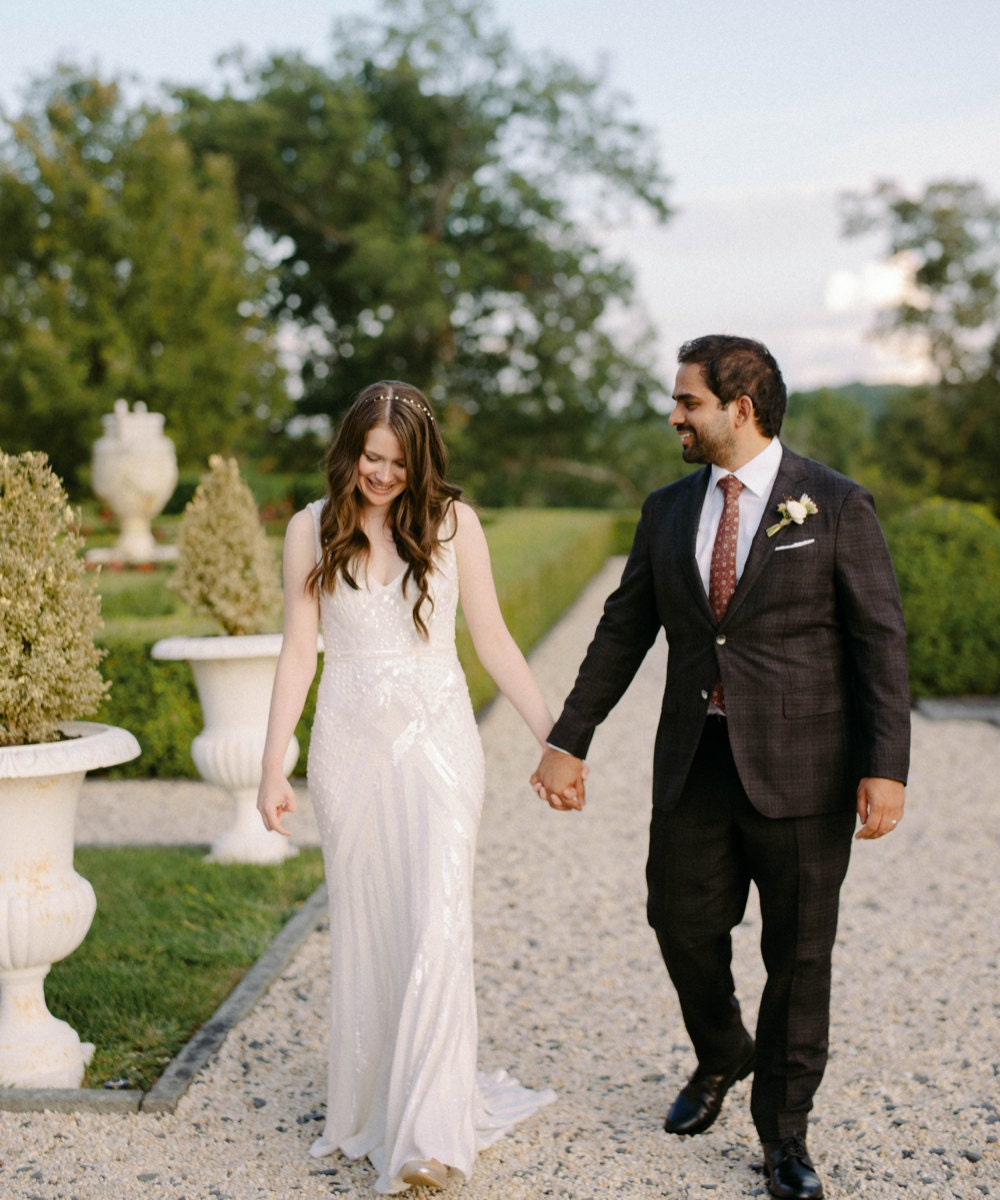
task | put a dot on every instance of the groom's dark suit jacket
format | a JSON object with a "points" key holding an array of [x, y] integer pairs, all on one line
{"points": [[811, 651]]}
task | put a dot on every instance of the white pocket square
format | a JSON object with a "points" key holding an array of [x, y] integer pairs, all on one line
{"points": [[794, 545]]}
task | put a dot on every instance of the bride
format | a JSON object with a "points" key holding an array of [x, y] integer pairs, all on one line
{"points": [[395, 776]]}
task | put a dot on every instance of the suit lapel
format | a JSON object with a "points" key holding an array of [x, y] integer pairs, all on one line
{"points": [[688, 516], [791, 472]]}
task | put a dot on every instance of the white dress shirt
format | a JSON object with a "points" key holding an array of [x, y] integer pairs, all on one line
{"points": [[757, 476]]}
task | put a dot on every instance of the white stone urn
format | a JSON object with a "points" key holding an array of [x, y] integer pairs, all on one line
{"points": [[134, 471], [45, 907], [234, 676]]}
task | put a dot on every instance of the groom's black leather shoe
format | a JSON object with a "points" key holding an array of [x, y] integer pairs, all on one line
{"points": [[700, 1101], [790, 1173]]}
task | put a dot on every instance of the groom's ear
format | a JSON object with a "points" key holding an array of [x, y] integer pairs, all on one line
{"points": [[744, 409]]}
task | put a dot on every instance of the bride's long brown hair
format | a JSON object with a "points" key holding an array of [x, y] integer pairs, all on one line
{"points": [[416, 516]]}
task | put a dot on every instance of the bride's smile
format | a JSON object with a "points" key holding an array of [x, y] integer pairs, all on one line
{"points": [[381, 467]]}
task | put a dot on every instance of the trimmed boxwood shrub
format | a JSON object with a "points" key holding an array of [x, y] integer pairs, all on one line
{"points": [[49, 610], [947, 559], [226, 569]]}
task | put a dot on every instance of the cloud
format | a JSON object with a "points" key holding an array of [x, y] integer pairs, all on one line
{"points": [[875, 285]]}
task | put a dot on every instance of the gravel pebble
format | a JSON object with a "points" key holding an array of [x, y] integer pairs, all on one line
{"points": [[573, 995]]}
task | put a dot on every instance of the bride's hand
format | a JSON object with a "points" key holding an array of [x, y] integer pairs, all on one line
{"points": [[275, 799], [559, 780]]}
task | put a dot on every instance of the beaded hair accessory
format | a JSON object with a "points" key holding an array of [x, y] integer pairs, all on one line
{"points": [[421, 408]]}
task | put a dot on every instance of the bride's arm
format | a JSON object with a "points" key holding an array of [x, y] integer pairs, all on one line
{"points": [[295, 671], [495, 648]]}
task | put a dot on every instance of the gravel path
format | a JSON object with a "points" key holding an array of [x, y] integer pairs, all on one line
{"points": [[573, 995]]}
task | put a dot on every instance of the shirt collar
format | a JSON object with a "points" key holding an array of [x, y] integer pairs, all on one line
{"points": [[757, 475]]}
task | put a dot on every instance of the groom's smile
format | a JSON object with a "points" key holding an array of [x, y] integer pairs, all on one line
{"points": [[703, 425]]}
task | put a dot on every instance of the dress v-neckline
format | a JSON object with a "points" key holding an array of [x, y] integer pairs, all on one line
{"points": [[372, 582]]}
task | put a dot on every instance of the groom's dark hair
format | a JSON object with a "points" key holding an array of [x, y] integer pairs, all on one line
{"points": [[738, 366]]}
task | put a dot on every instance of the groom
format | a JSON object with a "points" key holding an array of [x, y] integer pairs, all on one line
{"points": [[786, 711]]}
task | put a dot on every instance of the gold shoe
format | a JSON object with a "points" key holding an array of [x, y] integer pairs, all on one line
{"points": [[425, 1173]]}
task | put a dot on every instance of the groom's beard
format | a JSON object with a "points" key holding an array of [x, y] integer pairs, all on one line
{"points": [[707, 445]]}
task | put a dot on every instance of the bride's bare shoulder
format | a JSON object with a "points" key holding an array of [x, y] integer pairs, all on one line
{"points": [[464, 516]]}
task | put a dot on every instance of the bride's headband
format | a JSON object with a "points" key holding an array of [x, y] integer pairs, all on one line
{"points": [[417, 404]]}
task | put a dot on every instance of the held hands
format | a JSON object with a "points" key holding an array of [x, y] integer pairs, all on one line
{"points": [[559, 780], [880, 806], [275, 798]]}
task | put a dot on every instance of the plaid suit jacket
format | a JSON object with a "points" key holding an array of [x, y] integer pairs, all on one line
{"points": [[811, 651]]}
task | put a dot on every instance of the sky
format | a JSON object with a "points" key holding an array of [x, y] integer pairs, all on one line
{"points": [[763, 112]]}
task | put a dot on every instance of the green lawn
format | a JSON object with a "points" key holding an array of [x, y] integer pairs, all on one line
{"points": [[172, 936]]}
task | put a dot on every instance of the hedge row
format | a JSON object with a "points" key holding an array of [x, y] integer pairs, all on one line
{"points": [[947, 559], [542, 559], [277, 495], [158, 703]]}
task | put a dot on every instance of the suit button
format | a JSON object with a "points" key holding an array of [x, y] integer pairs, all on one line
{"points": [[704, 694], [720, 640]]}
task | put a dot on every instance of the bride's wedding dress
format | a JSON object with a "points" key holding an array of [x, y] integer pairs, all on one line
{"points": [[396, 781]]}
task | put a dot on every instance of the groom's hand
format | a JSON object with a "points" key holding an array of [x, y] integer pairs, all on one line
{"points": [[880, 806], [559, 780]]}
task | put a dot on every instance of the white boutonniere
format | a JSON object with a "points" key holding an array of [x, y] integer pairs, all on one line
{"points": [[793, 512]]}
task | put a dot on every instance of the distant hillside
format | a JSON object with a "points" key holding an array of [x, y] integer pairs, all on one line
{"points": [[873, 396]]}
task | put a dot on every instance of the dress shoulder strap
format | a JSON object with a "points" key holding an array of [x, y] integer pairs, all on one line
{"points": [[449, 525], [316, 508]]}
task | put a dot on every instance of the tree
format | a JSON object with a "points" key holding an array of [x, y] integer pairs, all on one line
{"points": [[943, 439], [424, 194], [124, 274], [830, 425], [948, 242]]}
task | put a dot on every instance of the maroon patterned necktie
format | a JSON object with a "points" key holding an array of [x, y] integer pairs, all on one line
{"points": [[722, 573]]}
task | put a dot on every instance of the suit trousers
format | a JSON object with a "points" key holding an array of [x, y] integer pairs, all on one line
{"points": [[703, 854]]}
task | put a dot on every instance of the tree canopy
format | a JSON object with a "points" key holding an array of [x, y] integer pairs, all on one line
{"points": [[431, 199], [124, 274], [943, 439], [947, 239]]}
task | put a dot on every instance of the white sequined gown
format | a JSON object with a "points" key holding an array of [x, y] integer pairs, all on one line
{"points": [[396, 780]]}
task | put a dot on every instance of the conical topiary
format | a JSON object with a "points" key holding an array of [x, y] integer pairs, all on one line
{"points": [[225, 568], [49, 609]]}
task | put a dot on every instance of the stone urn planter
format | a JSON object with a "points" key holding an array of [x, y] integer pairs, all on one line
{"points": [[234, 677], [134, 470], [45, 907]]}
